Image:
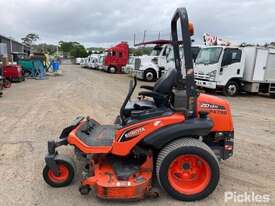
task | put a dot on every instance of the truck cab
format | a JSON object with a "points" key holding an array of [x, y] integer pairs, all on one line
{"points": [[170, 57], [220, 67], [92, 61], [116, 58], [101, 61], [149, 67], [128, 68]]}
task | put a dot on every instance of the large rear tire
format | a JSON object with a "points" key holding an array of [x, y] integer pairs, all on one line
{"points": [[187, 169]]}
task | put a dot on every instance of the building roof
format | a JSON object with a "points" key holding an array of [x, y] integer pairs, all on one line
{"points": [[4, 37]]}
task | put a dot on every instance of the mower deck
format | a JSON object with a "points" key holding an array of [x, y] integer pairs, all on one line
{"points": [[119, 178]]}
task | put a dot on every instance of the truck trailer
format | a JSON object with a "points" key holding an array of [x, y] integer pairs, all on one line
{"points": [[236, 69]]}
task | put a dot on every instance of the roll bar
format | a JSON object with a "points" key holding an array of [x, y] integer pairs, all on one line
{"points": [[191, 92]]}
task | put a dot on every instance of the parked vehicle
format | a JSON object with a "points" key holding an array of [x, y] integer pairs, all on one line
{"points": [[13, 73], [128, 68], [85, 62], [78, 60], [93, 61], [234, 69], [150, 68], [170, 58], [100, 64], [82, 62], [117, 57]]}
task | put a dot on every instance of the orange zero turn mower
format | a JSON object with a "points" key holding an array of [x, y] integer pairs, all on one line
{"points": [[173, 134]]}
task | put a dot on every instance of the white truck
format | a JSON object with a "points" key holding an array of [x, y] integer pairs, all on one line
{"points": [[78, 60], [93, 61], [150, 67], [170, 57], [235, 69], [128, 68], [100, 64]]}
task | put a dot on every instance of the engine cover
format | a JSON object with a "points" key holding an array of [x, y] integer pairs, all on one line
{"points": [[219, 112]]}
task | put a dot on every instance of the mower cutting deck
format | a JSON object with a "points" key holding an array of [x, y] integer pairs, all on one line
{"points": [[172, 130]]}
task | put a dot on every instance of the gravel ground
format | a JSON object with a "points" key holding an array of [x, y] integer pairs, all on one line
{"points": [[35, 111]]}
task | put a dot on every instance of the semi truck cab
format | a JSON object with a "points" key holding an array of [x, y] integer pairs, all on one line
{"points": [[149, 67], [117, 57]]}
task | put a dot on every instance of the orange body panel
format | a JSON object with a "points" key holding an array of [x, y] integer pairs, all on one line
{"points": [[107, 186], [148, 127], [219, 111]]}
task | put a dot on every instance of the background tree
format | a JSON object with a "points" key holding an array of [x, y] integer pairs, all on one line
{"points": [[44, 47], [30, 38], [73, 49]]}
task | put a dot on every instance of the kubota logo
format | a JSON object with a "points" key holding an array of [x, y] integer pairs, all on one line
{"points": [[134, 132]]}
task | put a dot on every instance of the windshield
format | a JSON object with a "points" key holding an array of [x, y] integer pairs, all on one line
{"points": [[131, 60], [156, 51], [170, 52], [209, 55]]}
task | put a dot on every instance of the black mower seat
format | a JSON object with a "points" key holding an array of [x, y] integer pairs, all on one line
{"points": [[160, 92], [97, 135], [138, 105]]}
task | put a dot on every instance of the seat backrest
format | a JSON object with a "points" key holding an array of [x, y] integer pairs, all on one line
{"points": [[165, 84]]}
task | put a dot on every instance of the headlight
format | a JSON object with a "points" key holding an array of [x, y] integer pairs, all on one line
{"points": [[212, 75]]}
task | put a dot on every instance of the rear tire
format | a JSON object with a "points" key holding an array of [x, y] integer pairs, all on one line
{"points": [[187, 169], [231, 89], [67, 171]]}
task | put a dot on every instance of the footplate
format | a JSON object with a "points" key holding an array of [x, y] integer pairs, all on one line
{"points": [[95, 134]]}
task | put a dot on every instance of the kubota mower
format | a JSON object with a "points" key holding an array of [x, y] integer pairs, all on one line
{"points": [[174, 134]]}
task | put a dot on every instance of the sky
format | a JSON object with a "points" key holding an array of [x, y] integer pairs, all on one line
{"points": [[103, 23]]}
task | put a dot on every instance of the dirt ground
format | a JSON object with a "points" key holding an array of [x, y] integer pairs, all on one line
{"points": [[35, 111]]}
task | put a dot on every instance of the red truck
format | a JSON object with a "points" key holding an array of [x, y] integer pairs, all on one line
{"points": [[117, 57]]}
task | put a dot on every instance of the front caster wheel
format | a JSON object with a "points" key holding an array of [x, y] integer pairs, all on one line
{"points": [[187, 169], [84, 189], [66, 176]]}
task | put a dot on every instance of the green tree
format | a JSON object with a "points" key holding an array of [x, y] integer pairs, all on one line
{"points": [[30, 38], [74, 49]]}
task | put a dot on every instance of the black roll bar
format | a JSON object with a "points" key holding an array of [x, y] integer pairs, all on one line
{"points": [[191, 92]]}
